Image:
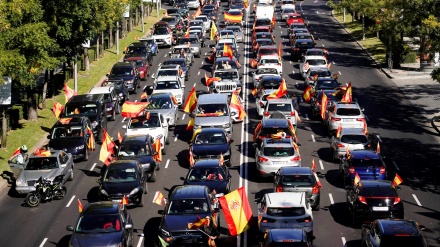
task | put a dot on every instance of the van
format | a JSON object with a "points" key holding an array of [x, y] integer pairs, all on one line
{"points": [[264, 11], [213, 111]]}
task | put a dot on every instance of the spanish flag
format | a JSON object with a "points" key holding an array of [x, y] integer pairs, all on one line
{"points": [[80, 206], [158, 198], [356, 179], [195, 132], [236, 104], [233, 18], [16, 152], [307, 95], [324, 102], [209, 80], [313, 165], [280, 50], [191, 101], [213, 31], [280, 92], [254, 92], [199, 222], [236, 210], [338, 131], [120, 137], [197, 13], [347, 98], [186, 35], [191, 158], [253, 63], [91, 140], [157, 147], [397, 180], [65, 120], [378, 148], [124, 201], [227, 51], [105, 155], [256, 131], [144, 95], [174, 100], [133, 109], [68, 92], [190, 125], [221, 161], [57, 109]]}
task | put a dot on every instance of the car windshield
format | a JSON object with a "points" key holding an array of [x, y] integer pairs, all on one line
{"points": [[266, 71], [348, 112], [210, 138], [234, 29], [162, 85], [42, 163], [160, 31], [202, 18], [286, 211], [151, 122], [288, 10], [175, 62], [185, 41], [188, 206], [198, 174], [321, 73], [316, 62], [269, 61], [354, 139], [212, 110], [264, 42], [226, 74], [67, 132], [220, 63], [133, 150], [81, 110], [279, 151], [402, 241], [366, 162], [139, 63], [136, 49], [159, 103], [98, 224], [279, 107], [120, 175], [234, 12], [167, 72], [298, 180], [271, 84], [267, 51], [315, 53], [148, 41], [271, 131], [121, 71], [226, 33]]}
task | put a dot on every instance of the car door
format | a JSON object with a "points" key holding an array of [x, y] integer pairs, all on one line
{"points": [[65, 168], [114, 98], [16, 167], [351, 196], [164, 125], [261, 210]]}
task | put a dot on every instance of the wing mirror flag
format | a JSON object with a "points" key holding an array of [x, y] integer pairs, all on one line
{"points": [[57, 109], [397, 180], [236, 210], [158, 198], [68, 92], [307, 95], [106, 152], [80, 206], [324, 102], [191, 101], [313, 165], [347, 97]]}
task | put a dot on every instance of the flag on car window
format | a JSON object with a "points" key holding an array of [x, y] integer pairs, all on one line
{"points": [[57, 109], [236, 210], [191, 101]]}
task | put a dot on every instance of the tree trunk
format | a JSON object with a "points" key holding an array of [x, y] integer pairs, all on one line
{"points": [[32, 106], [137, 16], [124, 27], [46, 79], [110, 39], [4, 127], [102, 40], [86, 59], [52, 80], [97, 49]]}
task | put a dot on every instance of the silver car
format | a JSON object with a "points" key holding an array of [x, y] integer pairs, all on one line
{"points": [[194, 43], [56, 162], [347, 115], [261, 100], [273, 154], [262, 71], [352, 139], [238, 32], [164, 104], [322, 72], [285, 13], [284, 106]]}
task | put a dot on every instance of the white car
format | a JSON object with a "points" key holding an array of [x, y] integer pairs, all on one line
{"points": [[230, 41], [206, 21], [193, 4], [170, 70], [271, 61], [261, 100], [155, 125], [285, 106], [163, 36], [262, 71], [170, 84], [287, 4], [346, 115], [312, 62], [287, 11]]}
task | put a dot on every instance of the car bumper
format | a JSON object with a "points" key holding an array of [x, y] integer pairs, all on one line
{"points": [[368, 214], [268, 169], [24, 189], [132, 199], [346, 125], [183, 239], [308, 227], [193, 5]]}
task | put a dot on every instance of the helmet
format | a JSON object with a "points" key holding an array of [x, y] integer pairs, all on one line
{"points": [[24, 148]]}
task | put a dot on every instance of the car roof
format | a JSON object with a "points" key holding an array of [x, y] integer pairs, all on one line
{"points": [[314, 57], [285, 199], [352, 105], [100, 90], [285, 142], [279, 100], [123, 64], [295, 170], [270, 77], [352, 131], [207, 163], [122, 163], [287, 235], [394, 226], [105, 207], [169, 66], [74, 121], [211, 130], [168, 78], [274, 123], [304, 40], [212, 98], [376, 183], [189, 192], [136, 139], [364, 154]]}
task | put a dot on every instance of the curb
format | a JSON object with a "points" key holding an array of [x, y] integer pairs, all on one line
{"points": [[3, 184]]}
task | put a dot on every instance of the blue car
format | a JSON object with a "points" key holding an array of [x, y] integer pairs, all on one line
{"points": [[151, 45], [210, 143], [368, 164]]}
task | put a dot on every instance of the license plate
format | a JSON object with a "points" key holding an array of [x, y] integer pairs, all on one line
{"points": [[279, 163], [348, 120], [380, 208]]}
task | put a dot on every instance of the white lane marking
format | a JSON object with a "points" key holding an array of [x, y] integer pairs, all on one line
{"points": [[296, 84], [378, 137], [42, 243], [165, 55], [290, 62], [395, 165], [93, 167], [307, 117], [70, 202], [346, 84], [143, 89], [339, 72], [168, 162], [183, 116], [175, 138], [136, 101], [205, 53], [313, 138], [343, 241], [153, 74], [203, 62], [366, 117], [293, 72], [198, 73], [123, 120], [417, 200], [141, 239], [321, 164], [331, 198]]}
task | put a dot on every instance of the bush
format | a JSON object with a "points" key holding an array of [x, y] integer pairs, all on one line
{"points": [[408, 56]]}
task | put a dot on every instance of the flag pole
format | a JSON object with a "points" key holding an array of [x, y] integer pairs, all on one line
{"points": [[203, 232]]}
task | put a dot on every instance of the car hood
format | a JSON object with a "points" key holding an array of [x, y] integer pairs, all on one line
{"points": [[28, 175], [210, 149], [162, 36], [141, 159], [66, 143], [218, 185], [180, 222], [165, 112], [125, 78], [97, 240], [211, 121], [123, 188]]}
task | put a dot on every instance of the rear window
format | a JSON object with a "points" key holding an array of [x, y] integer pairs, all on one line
{"points": [[167, 85], [321, 73], [270, 131], [402, 241], [286, 212], [271, 84], [298, 180], [267, 51], [269, 61], [265, 97], [348, 112], [279, 107], [354, 139], [316, 62], [366, 162], [279, 151], [378, 191]]}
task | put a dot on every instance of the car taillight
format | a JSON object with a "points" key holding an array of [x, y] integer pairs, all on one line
{"points": [[261, 104], [306, 219], [267, 114], [292, 113], [362, 199], [382, 170], [396, 200], [296, 158], [142, 72], [262, 159], [279, 188], [351, 169], [315, 190], [334, 119], [310, 79], [340, 145], [360, 119]]}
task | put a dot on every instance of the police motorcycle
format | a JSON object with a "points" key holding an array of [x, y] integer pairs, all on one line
{"points": [[46, 190]]}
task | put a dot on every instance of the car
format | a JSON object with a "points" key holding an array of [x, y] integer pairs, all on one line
{"points": [[163, 36], [273, 154], [198, 26], [186, 204], [374, 199], [287, 4], [316, 100], [263, 71], [149, 123], [111, 100], [194, 43], [261, 42], [267, 50], [303, 35], [261, 100], [128, 72], [212, 111], [170, 84], [263, 22], [238, 32], [210, 13], [270, 126], [284, 106], [209, 143], [286, 12], [120, 89], [299, 179], [317, 51], [349, 139], [170, 70], [102, 224], [295, 25], [137, 49], [183, 64], [344, 114], [308, 62], [294, 18], [172, 21], [48, 166], [231, 41], [219, 51], [193, 4], [199, 33], [300, 46], [326, 83], [197, 23], [392, 232], [262, 33], [366, 164], [221, 61], [139, 148], [211, 173], [164, 104], [143, 66], [284, 210], [310, 79], [72, 137], [206, 21], [269, 82], [230, 80], [123, 178], [270, 61], [225, 34], [294, 237]]}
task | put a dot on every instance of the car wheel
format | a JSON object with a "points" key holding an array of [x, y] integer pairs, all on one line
{"points": [[167, 141], [86, 154], [153, 177], [71, 174]]}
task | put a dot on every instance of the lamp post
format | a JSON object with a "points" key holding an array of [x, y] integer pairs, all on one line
{"points": [[142, 16]]}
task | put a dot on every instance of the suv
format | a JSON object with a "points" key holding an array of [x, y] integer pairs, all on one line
{"points": [[143, 65], [164, 104], [139, 147], [388, 232], [299, 179], [285, 106], [308, 62], [194, 44], [272, 62], [211, 143], [230, 81], [347, 115], [261, 100], [71, 137], [163, 36], [120, 89], [91, 106], [151, 45], [263, 71], [128, 72], [186, 204], [367, 164], [349, 139], [138, 49], [213, 111], [286, 237], [170, 84], [309, 78], [182, 51], [111, 100], [316, 100], [270, 126], [183, 64], [300, 46], [171, 70]]}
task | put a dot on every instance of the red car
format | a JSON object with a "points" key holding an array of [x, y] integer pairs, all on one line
{"points": [[142, 65], [267, 50], [262, 29], [294, 18]]}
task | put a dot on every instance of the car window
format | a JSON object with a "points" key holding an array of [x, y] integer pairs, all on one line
{"points": [[159, 103], [279, 151], [167, 72], [120, 175], [98, 224], [226, 74], [42, 163], [271, 84], [206, 174], [354, 139], [377, 192], [188, 206], [210, 138], [286, 211], [217, 109], [266, 71], [160, 31], [167, 85], [136, 49], [133, 150], [67, 132], [271, 131], [327, 84], [121, 71], [269, 61], [152, 122], [316, 62], [279, 107], [365, 162], [298, 180], [348, 112]]}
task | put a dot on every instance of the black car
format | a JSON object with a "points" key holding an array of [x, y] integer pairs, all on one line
{"points": [[120, 88], [389, 232], [91, 106], [326, 83], [269, 126], [374, 199], [300, 46], [138, 49], [123, 178], [139, 147], [211, 173], [316, 99], [102, 224], [210, 143], [71, 137], [270, 82], [294, 237], [210, 13], [179, 61], [128, 72], [186, 204]]}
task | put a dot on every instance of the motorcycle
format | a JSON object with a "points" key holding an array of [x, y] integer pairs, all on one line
{"points": [[46, 190]]}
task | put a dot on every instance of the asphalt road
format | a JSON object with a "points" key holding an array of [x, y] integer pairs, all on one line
{"points": [[409, 148]]}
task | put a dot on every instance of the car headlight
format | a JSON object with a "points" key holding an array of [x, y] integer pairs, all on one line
{"points": [[226, 125], [80, 147], [165, 232], [134, 191], [20, 182], [179, 96], [104, 192], [94, 124], [129, 82], [109, 108], [168, 39]]}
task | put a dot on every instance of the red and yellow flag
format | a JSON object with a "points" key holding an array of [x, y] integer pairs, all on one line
{"points": [[378, 148], [133, 109], [124, 201], [347, 98], [80, 206], [191, 101], [324, 102], [397, 180], [257, 130], [105, 154], [315, 77], [65, 120], [254, 92], [307, 95], [236, 210], [280, 50], [157, 147], [233, 18], [356, 179], [186, 35], [197, 13], [120, 137], [91, 140], [68, 92], [236, 104], [253, 63], [174, 100], [199, 222], [365, 128], [280, 92], [313, 165], [16, 152], [227, 51], [209, 80], [190, 125], [221, 161], [338, 131], [144, 95], [57, 109], [158, 198], [191, 158]]}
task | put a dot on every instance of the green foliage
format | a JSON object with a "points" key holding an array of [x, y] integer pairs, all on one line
{"points": [[435, 74], [409, 56]]}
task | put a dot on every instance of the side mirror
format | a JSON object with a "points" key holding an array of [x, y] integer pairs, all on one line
{"points": [[124, 126], [161, 211], [310, 200], [362, 109], [183, 86], [107, 75], [257, 200], [150, 87], [128, 226], [253, 73], [231, 141], [299, 144], [69, 228], [398, 188], [182, 178]]}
